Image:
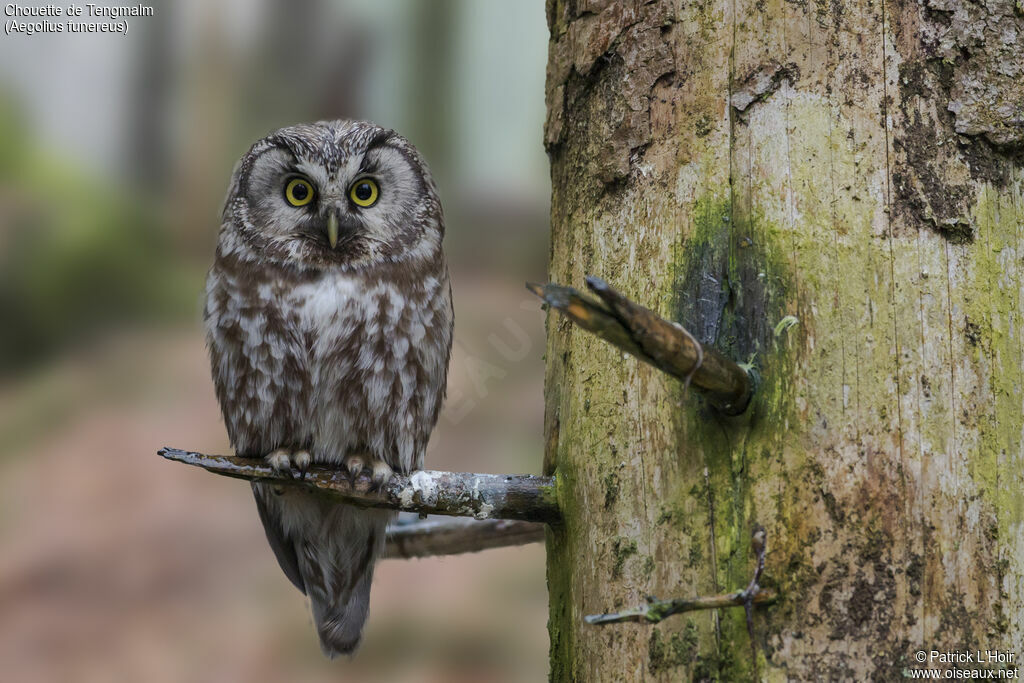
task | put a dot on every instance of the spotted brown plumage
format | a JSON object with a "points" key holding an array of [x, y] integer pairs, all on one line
{"points": [[330, 348]]}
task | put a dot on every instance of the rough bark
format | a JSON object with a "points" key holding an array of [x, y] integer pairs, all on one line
{"points": [[857, 166]]}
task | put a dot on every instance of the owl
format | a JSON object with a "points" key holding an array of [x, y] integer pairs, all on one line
{"points": [[329, 324]]}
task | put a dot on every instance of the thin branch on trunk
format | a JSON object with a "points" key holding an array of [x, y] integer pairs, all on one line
{"points": [[522, 497], [753, 595], [428, 537], [655, 610], [759, 544], [664, 344]]}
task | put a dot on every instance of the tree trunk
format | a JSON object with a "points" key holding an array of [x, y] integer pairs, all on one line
{"points": [[855, 165]]}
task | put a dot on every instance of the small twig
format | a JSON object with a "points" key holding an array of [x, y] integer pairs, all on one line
{"points": [[656, 610], [759, 544], [664, 344], [523, 497], [454, 535]]}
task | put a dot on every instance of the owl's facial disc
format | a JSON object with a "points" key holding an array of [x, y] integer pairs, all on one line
{"points": [[335, 194]]}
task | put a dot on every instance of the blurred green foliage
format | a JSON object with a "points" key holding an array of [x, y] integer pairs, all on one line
{"points": [[75, 255]]}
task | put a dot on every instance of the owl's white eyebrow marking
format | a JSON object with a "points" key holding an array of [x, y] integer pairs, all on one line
{"points": [[314, 171]]}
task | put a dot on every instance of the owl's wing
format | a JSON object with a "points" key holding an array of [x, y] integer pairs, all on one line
{"points": [[283, 547]]}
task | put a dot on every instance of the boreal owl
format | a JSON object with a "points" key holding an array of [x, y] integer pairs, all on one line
{"points": [[329, 324]]}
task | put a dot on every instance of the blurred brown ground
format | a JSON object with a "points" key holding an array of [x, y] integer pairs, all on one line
{"points": [[120, 566]]}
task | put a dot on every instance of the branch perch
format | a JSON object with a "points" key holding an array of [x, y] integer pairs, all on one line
{"points": [[521, 497], [654, 340]]}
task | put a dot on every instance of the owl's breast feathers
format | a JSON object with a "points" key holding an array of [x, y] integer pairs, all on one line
{"points": [[334, 361]]}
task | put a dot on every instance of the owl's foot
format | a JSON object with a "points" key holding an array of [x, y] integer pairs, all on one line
{"points": [[355, 464], [302, 459], [381, 472], [358, 463], [283, 459], [280, 460]]}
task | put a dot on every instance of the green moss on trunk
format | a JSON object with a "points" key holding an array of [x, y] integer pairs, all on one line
{"points": [[882, 451]]}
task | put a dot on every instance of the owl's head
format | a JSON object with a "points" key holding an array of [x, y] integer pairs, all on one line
{"points": [[332, 194]]}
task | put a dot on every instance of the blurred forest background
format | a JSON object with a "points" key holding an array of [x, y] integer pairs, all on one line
{"points": [[115, 154]]}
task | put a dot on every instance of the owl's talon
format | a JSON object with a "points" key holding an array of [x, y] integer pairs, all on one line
{"points": [[382, 473], [302, 460], [367, 471], [280, 460], [355, 464]]}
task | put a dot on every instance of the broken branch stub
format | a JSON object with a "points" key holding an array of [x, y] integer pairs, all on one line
{"points": [[642, 333]]}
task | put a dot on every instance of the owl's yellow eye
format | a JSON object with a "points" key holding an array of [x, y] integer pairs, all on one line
{"points": [[364, 192], [298, 192]]}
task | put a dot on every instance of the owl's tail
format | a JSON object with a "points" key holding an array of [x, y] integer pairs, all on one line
{"points": [[340, 593], [328, 551]]}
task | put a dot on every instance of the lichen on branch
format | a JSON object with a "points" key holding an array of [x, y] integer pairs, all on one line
{"points": [[522, 497]]}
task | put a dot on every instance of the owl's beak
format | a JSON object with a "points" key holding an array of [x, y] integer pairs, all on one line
{"points": [[332, 229]]}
